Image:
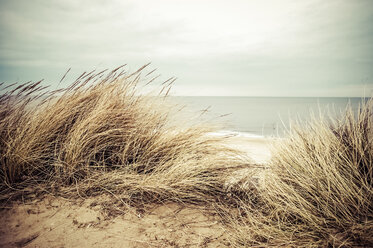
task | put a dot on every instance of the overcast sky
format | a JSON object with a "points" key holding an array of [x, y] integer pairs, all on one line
{"points": [[237, 47]]}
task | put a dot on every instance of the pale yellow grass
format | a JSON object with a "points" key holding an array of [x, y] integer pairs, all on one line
{"points": [[317, 190], [101, 136]]}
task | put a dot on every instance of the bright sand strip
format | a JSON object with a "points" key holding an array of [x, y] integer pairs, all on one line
{"points": [[256, 147], [57, 222]]}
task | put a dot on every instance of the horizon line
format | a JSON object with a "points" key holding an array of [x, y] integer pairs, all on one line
{"points": [[271, 96]]}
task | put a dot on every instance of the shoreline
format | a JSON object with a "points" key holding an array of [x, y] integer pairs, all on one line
{"points": [[256, 147]]}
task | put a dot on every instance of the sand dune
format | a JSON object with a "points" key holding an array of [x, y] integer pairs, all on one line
{"points": [[58, 222]]}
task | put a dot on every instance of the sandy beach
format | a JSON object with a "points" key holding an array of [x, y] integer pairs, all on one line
{"points": [[186, 123], [100, 165], [258, 149], [57, 222]]}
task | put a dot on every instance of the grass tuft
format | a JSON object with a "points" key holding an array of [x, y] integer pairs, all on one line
{"points": [[101, 135], [317, 190]]}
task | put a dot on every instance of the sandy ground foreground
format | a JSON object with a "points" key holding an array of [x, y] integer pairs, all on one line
{"points": [[57, 222]]}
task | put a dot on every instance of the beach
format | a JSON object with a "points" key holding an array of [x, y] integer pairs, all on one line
{"points": [[97, 164], [52, 221], [57, 222]]}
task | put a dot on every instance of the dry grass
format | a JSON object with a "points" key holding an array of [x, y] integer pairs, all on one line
{"points": [[100, 136], [318, 190]]}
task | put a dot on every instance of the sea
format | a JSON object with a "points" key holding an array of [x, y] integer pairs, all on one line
{"points": [[265, 116]]}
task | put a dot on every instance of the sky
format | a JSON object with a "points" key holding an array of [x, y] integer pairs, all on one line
{"points": [[214, 48]]}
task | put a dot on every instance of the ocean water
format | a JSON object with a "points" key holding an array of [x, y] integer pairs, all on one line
{"points": [[265, 116]]}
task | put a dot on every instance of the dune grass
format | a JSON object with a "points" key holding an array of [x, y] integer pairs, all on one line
{"points": [[317, 190], [100, 135]]}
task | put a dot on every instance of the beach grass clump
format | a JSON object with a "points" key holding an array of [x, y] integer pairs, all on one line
{"points": [[318, 188], [100, 135]]}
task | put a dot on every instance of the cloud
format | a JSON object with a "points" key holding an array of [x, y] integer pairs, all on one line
{"points": [[267, 47]]}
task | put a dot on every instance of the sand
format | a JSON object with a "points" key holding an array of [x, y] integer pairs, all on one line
{"points": [[257, 148], [57, 222]]}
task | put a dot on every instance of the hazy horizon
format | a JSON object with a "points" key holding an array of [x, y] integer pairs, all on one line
{"points": [[267, 48], [276, 96]]}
